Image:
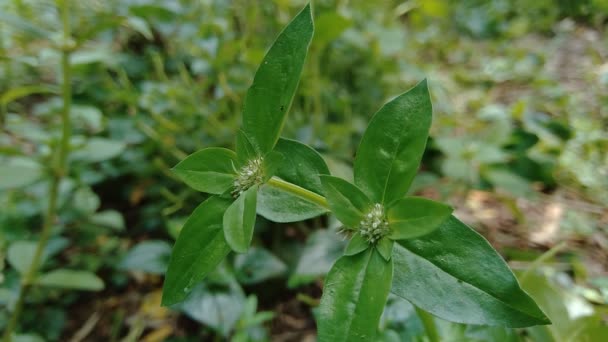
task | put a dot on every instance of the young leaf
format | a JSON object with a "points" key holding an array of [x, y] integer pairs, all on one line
{"points": [[301, 166], [385, 248], [346, 201], [455, 274], [275, 82], [413, 217], [392, 146], [208, 170], [245, 151], [239, 220], [354, 296], [200, 247], [357, 244]]}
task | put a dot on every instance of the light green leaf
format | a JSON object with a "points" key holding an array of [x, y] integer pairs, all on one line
{"points": [[16, 176], [200, 247], [21, 253], [109, 218], [209, 170], [413, 217], [456, 275], [301, 166], [346, 201], [70, 279], [239, 220], [272, 162], [257, 265], [245, 151], [275, 83], [97, 150], [357, 244], [391, 148], [354, 296], [150, 256]]}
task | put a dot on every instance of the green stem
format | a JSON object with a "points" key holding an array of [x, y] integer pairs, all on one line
{"points": [[299, 191], [429, 324], [60, 169]]}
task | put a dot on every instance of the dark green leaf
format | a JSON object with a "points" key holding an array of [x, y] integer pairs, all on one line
{"points": [[239, 220], [413, 217], [200, 247], [357, 244], [456, 275], [353, 298], [392, 146], [346, 201], [301, 166], [208, 170], [272, 162], [385, 248], [275, 82]]}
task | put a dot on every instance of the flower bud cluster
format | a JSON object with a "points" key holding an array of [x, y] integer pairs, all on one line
{"points": [[249, 175], [374, 226]]}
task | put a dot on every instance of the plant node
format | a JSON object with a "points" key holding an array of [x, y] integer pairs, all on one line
{"points": [[374, 226], [249, 175]]}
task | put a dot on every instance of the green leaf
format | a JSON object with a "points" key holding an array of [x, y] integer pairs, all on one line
{"points": [[208, 170], [275, 83], [354, 296], [456, 275], [70, 279], [392, 146], [20, 254], [412, 217], [385, 248], [239, 220], [200, 247], [245, 151], [346, 201], [150, 256], [301, 166], [272, 162], [357, 244], [16, 176], [97, 150], [109, 218], [257, 265]]}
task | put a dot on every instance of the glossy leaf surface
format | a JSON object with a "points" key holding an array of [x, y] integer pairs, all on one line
{"points": [[392, 146], [456, 275], [302, 166], [239, 220], [275, 83], [208, 170], [346, 201], [412, 217], [200, 247], [354, 296]]}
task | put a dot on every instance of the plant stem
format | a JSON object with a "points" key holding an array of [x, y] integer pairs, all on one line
{"points": [[299, 191], [60, 170], [429, 324]]}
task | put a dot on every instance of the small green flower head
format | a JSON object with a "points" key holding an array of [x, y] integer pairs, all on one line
{"points": [[249, 175], [374, 225]]}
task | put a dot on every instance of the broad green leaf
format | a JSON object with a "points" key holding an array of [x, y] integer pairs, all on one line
{"points": [[392, 146], [413, 217], [456, 275], [245, 151], [357, 244], [385, 248], [20, 254], [257, 265], [239, 220], [200, 247], [151, 256], [301, 166], [70, 279], [346, 201], [354, 296], [275, 82], [16, 176], [208, 170]]}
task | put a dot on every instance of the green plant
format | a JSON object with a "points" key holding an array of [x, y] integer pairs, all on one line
{"points": [[412, 247]]}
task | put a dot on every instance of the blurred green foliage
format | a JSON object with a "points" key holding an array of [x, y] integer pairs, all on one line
{"points": [[520, 103]]}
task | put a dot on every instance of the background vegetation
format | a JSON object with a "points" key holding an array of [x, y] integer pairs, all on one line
{"points": [[519, 147]]}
